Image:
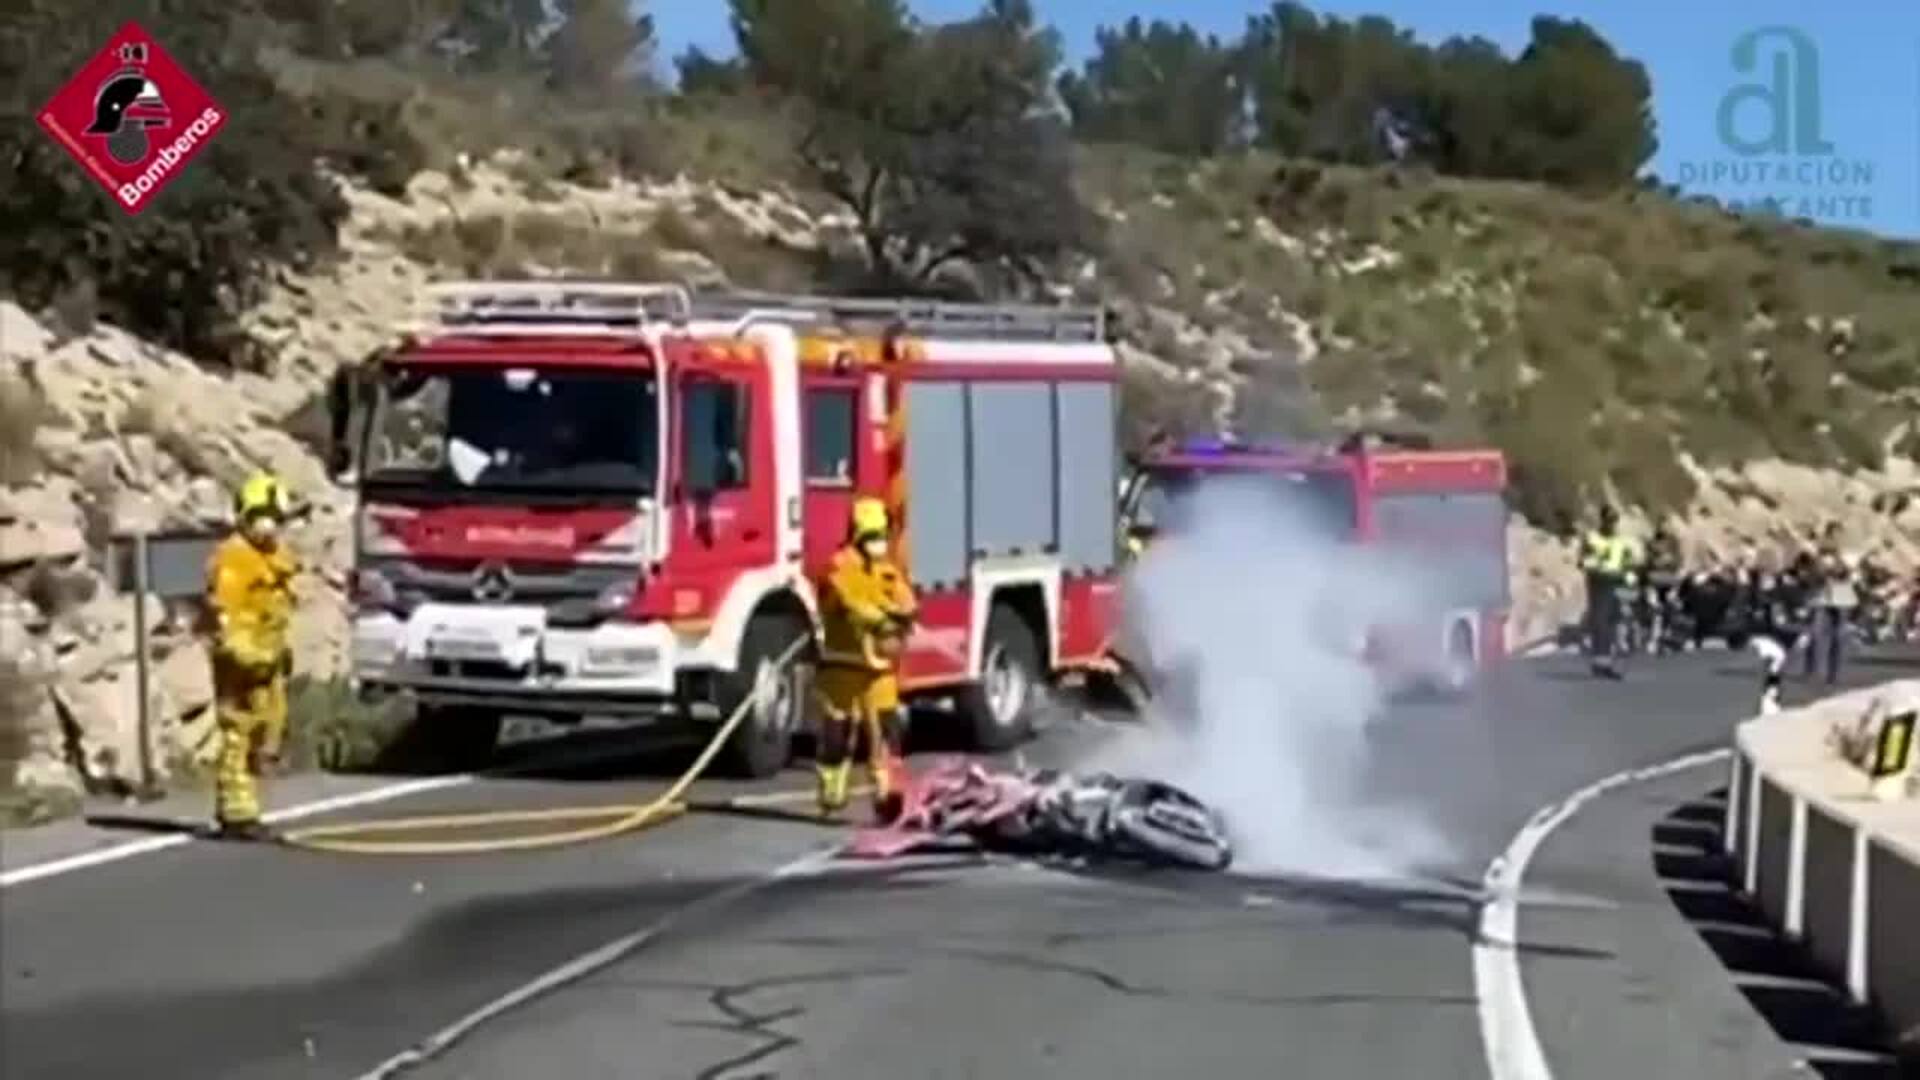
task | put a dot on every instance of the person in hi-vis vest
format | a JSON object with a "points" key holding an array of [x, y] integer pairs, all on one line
{"points": [[1607, 559]]}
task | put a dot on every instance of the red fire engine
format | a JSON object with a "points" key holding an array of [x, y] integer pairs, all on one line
{"points": [[1446, 508], [612, 500]]}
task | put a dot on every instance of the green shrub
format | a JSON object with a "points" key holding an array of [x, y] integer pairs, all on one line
{"points": [[330, 727]]}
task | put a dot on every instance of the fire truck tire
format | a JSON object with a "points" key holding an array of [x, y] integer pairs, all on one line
{"points": [[999, 708], [448, 737], [764, 742]]}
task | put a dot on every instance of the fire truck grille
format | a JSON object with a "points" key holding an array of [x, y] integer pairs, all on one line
{"points": [[570, 593]]}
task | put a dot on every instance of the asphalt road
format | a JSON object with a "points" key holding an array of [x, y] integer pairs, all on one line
{"points": [[222, 961]]}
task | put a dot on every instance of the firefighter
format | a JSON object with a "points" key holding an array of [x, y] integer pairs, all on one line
{"points": [[867, 607], [250, 601], [1607, 558]]}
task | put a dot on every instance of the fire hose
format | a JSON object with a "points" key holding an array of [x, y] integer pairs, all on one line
{"points": [[358, 837]]}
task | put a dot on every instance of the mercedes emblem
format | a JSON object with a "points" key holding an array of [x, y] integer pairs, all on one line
{"points": [[492, 583]]}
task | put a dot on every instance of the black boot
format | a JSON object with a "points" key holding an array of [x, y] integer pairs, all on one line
{"points": [[255, 831]]}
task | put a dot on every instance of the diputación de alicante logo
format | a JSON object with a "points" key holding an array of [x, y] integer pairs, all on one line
{"points": [[132, 118]]}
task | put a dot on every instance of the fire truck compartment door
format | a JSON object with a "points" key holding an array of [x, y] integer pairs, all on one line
{"points": [[501, 634]]}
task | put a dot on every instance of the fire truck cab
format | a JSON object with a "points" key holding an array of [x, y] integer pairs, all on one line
{"points": [[582, 499], [1445, 509]]}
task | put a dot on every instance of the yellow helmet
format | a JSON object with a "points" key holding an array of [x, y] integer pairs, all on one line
{"points": [[870, 517], [261, 494]]}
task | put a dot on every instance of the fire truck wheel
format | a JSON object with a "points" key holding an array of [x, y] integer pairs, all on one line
{"points": [[763, 744], [448, 737], [999, 708]]}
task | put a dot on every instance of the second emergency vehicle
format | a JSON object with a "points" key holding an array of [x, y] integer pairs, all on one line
{"points": [[1442, 512]]}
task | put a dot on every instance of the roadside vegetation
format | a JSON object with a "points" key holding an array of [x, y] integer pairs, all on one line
{"points": [[1467, 255], [329, 727], [23, 804]]}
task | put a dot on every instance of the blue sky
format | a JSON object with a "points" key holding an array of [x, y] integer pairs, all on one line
{"points": [[1868, 62]]}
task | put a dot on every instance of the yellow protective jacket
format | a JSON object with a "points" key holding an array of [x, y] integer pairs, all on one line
{"points": [[864, 605], [250, 597]]}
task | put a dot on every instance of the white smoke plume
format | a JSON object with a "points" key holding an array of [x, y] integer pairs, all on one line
{"points": [[1259, 613]]}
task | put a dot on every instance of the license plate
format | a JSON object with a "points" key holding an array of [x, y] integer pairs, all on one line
{"points": [[463, 648]]}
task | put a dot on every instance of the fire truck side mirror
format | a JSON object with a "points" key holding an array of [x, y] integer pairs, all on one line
{"points": [[340, 408]]}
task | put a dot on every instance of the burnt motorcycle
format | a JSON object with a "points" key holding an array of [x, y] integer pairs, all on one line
{"points": [[1042, 812]]}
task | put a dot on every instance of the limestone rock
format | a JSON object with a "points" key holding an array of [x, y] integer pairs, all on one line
{"points": [[39, 524]]}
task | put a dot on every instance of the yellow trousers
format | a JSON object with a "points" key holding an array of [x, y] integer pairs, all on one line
{"points": [[251, 713], [858, 706]]}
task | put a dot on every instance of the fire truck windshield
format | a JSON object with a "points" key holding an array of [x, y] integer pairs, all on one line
{"points": [[1324, 496], [549, 430]]}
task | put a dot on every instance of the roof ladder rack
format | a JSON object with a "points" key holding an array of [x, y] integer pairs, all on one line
{"points": [[554, 306], [918, 318]]}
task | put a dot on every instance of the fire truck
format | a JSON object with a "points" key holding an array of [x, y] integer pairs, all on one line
{"points": [[1444, 509], [613, 500]]}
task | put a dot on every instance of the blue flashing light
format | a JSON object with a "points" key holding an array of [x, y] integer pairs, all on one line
{"points": [[1222, 447]]}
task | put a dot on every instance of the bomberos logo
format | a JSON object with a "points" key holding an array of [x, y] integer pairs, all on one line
{"points": [[132, 118]]}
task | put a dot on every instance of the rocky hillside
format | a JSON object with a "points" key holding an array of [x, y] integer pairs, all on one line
{"points": [[1253, 295]]}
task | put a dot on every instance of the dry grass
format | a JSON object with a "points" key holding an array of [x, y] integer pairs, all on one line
{"points": [[554, 242], [497, 246]]}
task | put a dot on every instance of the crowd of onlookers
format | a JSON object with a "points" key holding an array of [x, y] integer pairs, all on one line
{"points": [[1816, 598]]}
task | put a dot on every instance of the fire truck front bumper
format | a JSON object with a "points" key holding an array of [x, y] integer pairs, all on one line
{"points": [[509, 656]]}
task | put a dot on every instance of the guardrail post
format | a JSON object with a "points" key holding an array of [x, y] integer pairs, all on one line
{"points": [[1730, 831], [1795, 915], [1858, 911], [142, 676]]}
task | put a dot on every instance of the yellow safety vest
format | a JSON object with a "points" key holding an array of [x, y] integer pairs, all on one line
{"points": [[1607, 554]]}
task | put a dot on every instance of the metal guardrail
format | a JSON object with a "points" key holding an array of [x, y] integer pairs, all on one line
{"points": [[562, 306], [1828, 852]]}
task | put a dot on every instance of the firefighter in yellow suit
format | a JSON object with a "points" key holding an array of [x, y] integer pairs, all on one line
{"points": [[867, 607], [250, 598]]}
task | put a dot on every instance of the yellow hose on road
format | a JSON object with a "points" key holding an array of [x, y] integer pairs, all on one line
{"points": [[352, 837]]}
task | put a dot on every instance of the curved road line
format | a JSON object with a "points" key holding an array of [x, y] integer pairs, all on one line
{"points": [[1506, 1024], [589, 963]]}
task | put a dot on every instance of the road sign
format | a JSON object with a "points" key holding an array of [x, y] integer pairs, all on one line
{"points": [[176, 562], [1893, 751]]}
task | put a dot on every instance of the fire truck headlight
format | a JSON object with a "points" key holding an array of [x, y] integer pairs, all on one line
{"points": [[614, 598]]}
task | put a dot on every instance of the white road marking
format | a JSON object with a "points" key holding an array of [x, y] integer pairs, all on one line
{"points": [[101, 856], [1506, 1024], [588, 963]]}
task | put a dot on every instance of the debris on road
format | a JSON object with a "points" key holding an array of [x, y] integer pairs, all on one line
{"points": [[1049, 812]]}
